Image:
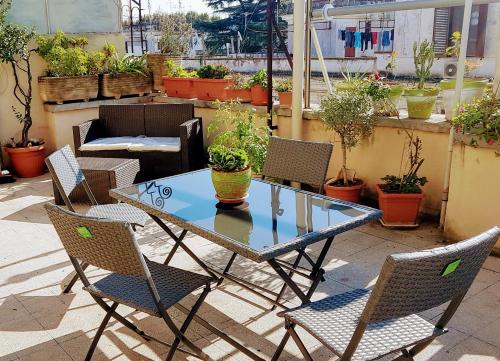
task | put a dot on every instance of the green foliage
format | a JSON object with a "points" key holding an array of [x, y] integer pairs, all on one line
{"points": [[227, 159], [480, 119], [236, 129], [177, 71], [423, 58], [217, 71], [349, 113], [409, 182], [128, 63], [259, 78], [284, 86], [66, 56], [454, 49], [176, 32], [377, 90], [15, 51], [239, 82]]}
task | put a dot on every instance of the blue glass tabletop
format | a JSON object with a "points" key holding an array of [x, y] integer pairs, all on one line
{"points": [[272, 217]]}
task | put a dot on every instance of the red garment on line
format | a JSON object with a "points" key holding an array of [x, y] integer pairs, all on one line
{"points": [[374, 38]]}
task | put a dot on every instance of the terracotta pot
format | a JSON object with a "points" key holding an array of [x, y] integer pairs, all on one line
{"points": [[399, 208], [179, 87], [156, 66], [211, 89], [118, 85], [231, 185], [259, 95], [346, 193], [241, 95], [66, 88], [285, 99], [27, 162]]}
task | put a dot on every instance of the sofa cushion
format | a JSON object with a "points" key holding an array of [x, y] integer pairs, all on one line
{"points": [[155, 144], [111, 143]]}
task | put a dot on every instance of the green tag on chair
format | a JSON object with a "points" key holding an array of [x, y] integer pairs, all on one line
{"points": [[451, 267], [84, 232]]}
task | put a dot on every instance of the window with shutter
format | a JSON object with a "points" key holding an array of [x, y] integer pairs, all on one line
{"points": [[441, 29]]}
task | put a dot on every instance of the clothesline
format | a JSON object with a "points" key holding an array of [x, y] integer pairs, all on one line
{"points": [[361, 39]]}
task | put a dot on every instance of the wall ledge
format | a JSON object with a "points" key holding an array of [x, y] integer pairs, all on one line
{"points": [[465, 140], [56, 108]]}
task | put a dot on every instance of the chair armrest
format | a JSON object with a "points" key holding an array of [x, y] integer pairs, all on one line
{"points": [[86, 132], [192, 154]]}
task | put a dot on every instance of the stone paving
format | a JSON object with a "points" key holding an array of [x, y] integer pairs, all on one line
{"points": [[37, 323]]}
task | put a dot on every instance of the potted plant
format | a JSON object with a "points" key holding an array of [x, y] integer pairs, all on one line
{"points": [[72, 72], [27, 156], [472, 87], [126, 75], [239, 90], [420, 100], [400, 196], [349, 114], [231, 174], [211, 83], [258, 86], [284, 89], [479, 121], [385, 97], [178, 82]]}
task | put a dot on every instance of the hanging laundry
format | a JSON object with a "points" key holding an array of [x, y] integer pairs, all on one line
{"points": [[392, 35], [374, 38], [366, 38], [342, 35], [357, 39], [386, 38]]}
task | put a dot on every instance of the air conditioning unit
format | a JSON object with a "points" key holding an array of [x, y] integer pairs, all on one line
{"points": [[450, 69]]}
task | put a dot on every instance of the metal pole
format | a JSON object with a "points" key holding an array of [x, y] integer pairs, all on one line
{"points": [[131, 27], [321, 59], [298, 68], [307, 82], [457, 100], [270, 5], [395, 6], [140, 27]]}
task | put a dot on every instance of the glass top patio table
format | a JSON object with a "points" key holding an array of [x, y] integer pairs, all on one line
{"points": [[273, 220]]}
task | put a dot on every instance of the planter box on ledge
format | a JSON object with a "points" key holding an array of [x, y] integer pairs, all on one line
{"points": [[118, 85], [68, 88]]}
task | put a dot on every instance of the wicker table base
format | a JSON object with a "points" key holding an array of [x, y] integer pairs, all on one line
{"points": [[102, 174]]}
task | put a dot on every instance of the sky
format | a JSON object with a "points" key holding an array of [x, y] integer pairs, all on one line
{"points": [[173, 5]]}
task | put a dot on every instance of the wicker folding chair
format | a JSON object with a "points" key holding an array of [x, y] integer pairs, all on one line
{"points": [[299, 161], [364, 325], [135, 281], [67, 175]]}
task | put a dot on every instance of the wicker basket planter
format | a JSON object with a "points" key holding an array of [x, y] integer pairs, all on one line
{"points": [[67, 88], [118, 85]]}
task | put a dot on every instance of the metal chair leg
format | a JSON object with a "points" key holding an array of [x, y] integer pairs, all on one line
{"points": [[283, 288], [74, 279], [299, 343], [100, 331], [186, 323], [228, 267], [281, 347]]}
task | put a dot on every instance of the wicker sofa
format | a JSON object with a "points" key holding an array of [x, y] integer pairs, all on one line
{"points": [[167, 139]]}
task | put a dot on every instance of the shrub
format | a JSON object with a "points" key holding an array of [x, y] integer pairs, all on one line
{"points": [[284, 86], [127, 64], [227, 159], [177, 71], [239, 82], [218, 71], [259, 78]]}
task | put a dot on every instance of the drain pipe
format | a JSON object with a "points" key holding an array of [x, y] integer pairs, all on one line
{"points": [[47, 16], [457, 100], [298, 68]]}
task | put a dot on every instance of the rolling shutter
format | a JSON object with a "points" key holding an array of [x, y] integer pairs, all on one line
{"points": [[441, 29]]}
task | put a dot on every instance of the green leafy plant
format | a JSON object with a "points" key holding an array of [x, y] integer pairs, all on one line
{"points": [[222, 158], [259, 78], [66, 56], [480, 119], [127, 64], [284, 86], [376, 89], [423, 59], [217, 71], [15, 51], [236, 129], [349, 113], [454, 51], [239, 82], [177, 71], [409, 182]]}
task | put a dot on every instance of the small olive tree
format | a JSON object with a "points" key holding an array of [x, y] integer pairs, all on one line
{"points": [[176, 33], [349, 113], [15, 50]]}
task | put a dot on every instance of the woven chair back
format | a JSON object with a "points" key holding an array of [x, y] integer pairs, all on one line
{"points": [[65, 170], [297, 161], [103, 243], [414, 282]]}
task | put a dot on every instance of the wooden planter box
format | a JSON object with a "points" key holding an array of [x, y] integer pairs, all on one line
{"points": [[118, 85], [67, 88], [157, 68]]}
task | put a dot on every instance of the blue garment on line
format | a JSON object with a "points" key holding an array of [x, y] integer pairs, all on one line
{"points": [[386, 38], [357, 39]]}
